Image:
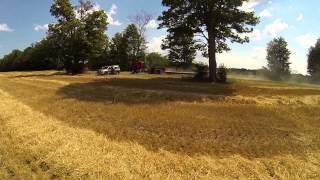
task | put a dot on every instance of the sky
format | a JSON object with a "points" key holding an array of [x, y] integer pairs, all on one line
{"points": [[23, 22]]}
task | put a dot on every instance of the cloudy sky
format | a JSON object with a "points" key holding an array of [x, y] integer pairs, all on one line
{"points": [[23, 22]]}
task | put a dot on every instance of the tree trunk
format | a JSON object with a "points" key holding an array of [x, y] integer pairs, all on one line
{"points": [[212, 56]]}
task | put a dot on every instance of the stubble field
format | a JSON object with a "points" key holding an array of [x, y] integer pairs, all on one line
{"points": [[54, 126]]}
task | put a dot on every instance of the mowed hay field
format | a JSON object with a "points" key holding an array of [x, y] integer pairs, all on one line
{"points": [[54, 126]]}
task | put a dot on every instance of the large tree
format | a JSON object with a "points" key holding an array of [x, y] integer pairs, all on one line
{"points": [[69, 35], [141, 19], [126, 48], [97, 42], [118, 51], [181, 46], [79, 33], [135, 44], [314, 61], [278, 56], [216, 20]]}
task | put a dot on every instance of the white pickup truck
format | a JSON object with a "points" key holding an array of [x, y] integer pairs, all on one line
{"points": [[115, 69]]}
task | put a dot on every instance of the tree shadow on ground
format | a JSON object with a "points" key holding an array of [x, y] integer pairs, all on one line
{"points": [[145, 91], [153, 122]]}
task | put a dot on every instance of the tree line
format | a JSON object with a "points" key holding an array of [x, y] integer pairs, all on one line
{"points": [[78, 39], [39, 56]]}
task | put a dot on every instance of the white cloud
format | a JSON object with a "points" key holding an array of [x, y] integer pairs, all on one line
{"points": [[113, 11], [249, 6], [265, 13], [307, 39], [43, 27], [5, 28], [155, 45], [260, 53], [152, 24], [238, 59], [115, 23], [300, 17], [275, 27], [255, 35]]}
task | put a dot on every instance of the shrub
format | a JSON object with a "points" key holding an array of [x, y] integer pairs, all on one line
{"points": [[156, 60], [222, 74], [201, 71]]}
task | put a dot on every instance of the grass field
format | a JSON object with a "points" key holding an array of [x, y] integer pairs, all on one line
{"points": [[54, 126]]}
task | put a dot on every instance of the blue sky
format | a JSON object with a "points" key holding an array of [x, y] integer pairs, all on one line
{"points": [[23, 22]]}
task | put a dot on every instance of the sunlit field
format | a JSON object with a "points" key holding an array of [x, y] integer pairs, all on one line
{"points": [[142, 126]]}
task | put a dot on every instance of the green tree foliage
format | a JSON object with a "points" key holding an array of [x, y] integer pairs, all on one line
{"points": [[314, 61], [156, 60], [118, 51], [135, 44], [141, 20], [201, 71], [278, 56], [39, 56], [79, 34], [126, 48], [216, 20], [69, 36], [97, 41], [222, 73], [11, 62], [181, 46], [95, 24], [76, 39]]}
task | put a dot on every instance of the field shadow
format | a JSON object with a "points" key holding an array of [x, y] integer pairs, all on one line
{"points": [[145, 91], [140, 111], [222, 130]]}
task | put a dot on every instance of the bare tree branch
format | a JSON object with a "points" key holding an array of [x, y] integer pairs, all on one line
{"points": [[141, 19]]}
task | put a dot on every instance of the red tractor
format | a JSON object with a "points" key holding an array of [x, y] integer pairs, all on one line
{"points": [[138, 67]]}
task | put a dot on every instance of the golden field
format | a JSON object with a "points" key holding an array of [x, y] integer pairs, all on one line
{"points": [[54, 126]]}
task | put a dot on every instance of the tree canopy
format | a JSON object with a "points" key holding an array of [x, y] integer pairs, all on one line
{"points": [[314, 61], [156, 60], [215, 21], [182, 48], [78, 33], [278, 56], [39, 56], [127, 48], [135, 43]]}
